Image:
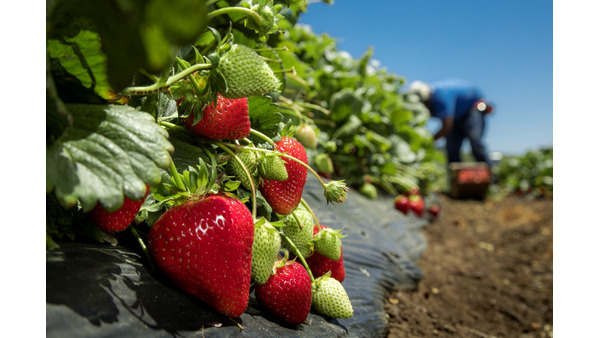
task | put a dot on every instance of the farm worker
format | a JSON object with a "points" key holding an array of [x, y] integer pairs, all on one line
{"points": [[462, 109]]}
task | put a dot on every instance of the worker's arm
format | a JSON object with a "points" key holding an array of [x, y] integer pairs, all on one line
{"points": [[445, 129]]}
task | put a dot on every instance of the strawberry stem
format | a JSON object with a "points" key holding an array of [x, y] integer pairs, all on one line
{"points": [[291, 158], [239, 161], [298, 254], [289, 70], [263, 137], [229, 10], [311, 212], [144, 248], [162, 84], [335, 191], [273, 49], [190, 77]]}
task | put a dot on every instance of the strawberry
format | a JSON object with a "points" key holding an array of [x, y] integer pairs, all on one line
{"points": [[369, 190], [250, 160], [401, 203], [306, 135], [330, 298], [328, 243], [246, 73], [434, 210], [298, 227], [265, 248], [284, 196], [324, 163], [205, 247], [272, 167], [320, 265], [229, 120], [413, 191], [287, 294], [120, 219], [416, 204]]}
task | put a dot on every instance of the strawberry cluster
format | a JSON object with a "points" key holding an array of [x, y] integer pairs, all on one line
{"points": [[208, 241], [412, 201]]}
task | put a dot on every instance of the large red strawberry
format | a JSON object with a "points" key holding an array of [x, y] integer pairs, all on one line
{"points": [[284, 196], [401, 203], [416, 204], [229, 120], [319, 265], [287, 294], [205, 247], [120, 219]]}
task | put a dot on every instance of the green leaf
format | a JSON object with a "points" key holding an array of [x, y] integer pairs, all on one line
{"points": [[264, 116], [344, 104], [135, 34], [106, 152]]}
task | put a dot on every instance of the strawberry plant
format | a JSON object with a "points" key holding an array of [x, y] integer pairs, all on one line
{"points": [[174, 127], [530, 173], [201, 120]]}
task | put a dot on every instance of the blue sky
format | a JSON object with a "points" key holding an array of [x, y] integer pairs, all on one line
{"points": [[503, 47]]}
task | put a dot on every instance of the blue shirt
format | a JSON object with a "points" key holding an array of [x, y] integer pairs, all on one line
{"points": [[453, 98]]}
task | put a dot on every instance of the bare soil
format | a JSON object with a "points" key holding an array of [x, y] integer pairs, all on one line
{"points": [[487, 273]]}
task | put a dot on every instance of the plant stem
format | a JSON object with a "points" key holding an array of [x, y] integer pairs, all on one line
{"points": [[291, 158], [190, 77], [312, 212], [298, 254], [229, 10], [239, 161], [263, 137], [282, 49], [144, 248], [314, 106], [176, 176], [161, 84]]}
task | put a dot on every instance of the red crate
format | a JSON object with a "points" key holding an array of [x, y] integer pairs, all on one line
{"points": [[469, 180]]}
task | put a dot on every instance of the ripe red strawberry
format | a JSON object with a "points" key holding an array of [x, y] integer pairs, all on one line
{"points": [[416, 204], [229, 120], [401, 203], [287, 294], [284, 196], [205, 247], [434, 210], [120, 219], [319, 265]]}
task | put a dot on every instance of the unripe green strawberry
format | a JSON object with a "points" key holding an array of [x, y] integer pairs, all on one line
{"points": [[368, 190], [250, 160], [299, 229], [272, 167], [264, 250], [329, 298], [306, 135], [328, 243], [246, 73], [323, 163]]}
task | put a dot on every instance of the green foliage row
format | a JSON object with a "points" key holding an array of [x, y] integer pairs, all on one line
{"points": [[530, 173]]}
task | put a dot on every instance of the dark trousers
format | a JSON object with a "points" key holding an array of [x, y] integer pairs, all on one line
{"points": [[470, 126]]}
